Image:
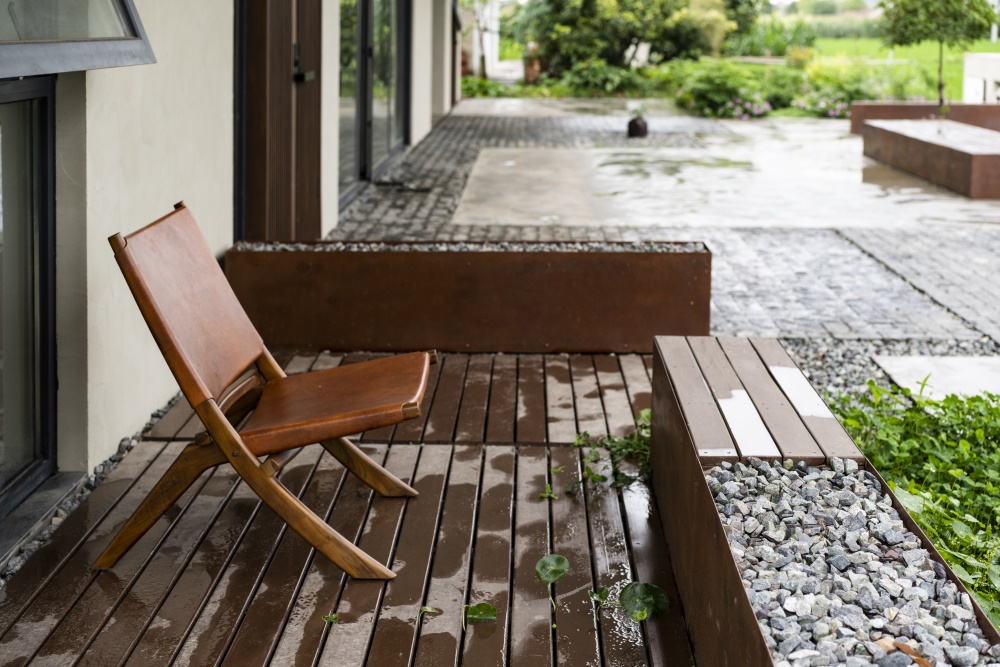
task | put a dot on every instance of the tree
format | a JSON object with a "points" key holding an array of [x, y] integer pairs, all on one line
{"points": [[745, 12], [955, 23]]}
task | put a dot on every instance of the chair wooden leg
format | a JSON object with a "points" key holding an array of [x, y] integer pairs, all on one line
{"points": [[369, 472], [186, 468], [342, 552]]}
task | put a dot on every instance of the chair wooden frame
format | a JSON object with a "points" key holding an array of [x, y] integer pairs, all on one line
{"points": [[223, 416]]}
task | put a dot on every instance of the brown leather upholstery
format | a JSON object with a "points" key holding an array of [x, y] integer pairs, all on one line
{"points": [[201, 328], [302, 409]]}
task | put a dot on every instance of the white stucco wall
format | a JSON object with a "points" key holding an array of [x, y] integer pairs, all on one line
{"points": [[330, 110], [152, 135], [421, 69], [982, 78]]}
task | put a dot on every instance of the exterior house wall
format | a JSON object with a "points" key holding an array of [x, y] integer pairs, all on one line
{"points": [[130, 143], [982, 78], [422, 69], [330, 126]]}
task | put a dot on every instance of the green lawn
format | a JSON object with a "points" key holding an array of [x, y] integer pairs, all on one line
{"points": [[926, 55]]}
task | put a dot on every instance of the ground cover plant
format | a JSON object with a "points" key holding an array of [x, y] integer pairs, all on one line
{"points": [[942, 458]]}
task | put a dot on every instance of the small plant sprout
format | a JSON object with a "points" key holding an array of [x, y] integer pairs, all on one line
{"points": [[483, 612], [599, 597], [426, 610], [557, 470], [547, 493], [640, 601], [331, 618], [550, 569]]}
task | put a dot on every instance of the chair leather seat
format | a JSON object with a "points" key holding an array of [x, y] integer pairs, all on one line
{"points": [[303, 409]]}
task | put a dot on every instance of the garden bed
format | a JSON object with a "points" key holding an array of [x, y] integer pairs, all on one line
{"points": [[472, 297], [981, 115]]}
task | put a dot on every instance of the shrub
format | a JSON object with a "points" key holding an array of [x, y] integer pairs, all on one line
{"points": [[838, 27], [773, 37], [782, 85], [473, 86], [597, 77], [721, 89]]}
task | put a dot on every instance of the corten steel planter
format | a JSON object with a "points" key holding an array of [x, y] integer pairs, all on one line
{"points": [[957, 156], [413, 296], [980, 115], [721, 621]]}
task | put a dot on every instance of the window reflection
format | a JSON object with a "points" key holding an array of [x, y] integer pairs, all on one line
{"points": [[46, 20]]}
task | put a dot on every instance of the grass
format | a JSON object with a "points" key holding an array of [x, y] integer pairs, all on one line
{"points": [[925, 55]]}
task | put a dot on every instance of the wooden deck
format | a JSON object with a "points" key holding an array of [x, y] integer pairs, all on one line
{"points": [[220, 580]]}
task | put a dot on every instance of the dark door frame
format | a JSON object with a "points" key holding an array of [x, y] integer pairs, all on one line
{"points": [[41, 89]]}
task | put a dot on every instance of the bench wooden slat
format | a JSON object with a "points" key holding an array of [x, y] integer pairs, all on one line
{"points": [[745, 424], [787, 429], [829, 434], [705, 423]]}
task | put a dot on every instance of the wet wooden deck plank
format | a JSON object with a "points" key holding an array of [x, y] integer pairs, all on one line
{"points": [[395, 636], [614, 397], [531, 421], [485, 644], [559, 408], [300, 363], [502, 415], [179, 414], [305, 630], [360, 603], [621, 638], [383, 434], [447, 399], [587, 396], [637, 383], [85, 523], [531, 613], [440, 635], [412, 430], [577, 639], [789, 433], [475, 400], [161, 552], [327, 359], [824, 427], [745, 424], [261, 627], [55, 598], [210, 634]]}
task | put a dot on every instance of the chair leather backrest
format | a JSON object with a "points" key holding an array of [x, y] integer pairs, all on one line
{"points": [[194, 316]]}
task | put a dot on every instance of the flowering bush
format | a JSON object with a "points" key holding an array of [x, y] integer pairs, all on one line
{"points": [[826, 103], [721, 89]]}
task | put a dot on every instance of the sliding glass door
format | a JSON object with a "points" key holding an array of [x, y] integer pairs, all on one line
{"points": [[26, 336]]}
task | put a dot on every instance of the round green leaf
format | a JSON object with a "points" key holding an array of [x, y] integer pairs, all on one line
{"points": [[483, 612], [642, 600], [551, 568]]}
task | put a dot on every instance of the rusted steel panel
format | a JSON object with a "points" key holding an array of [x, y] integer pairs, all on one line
{"points": [[503, 399], [982, 115], [577, 641], [475, 399], [784, 423], [531, 420], [440, 640], [395, 637], [721, 623], [560, 412], [485, 644], [472, 301]]}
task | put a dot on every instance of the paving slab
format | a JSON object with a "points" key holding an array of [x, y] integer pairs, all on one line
{"points": [[945, 375]]}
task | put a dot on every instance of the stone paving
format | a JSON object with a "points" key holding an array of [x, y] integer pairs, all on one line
{"points": [[938, 282]]}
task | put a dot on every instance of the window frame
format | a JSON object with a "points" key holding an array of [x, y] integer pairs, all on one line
{"points": [[18, 59]]}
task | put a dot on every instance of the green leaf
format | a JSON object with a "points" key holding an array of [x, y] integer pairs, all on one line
{"points": [[483, 612], [557, 470], [600, 595], [426, 610], [547, 493], [332, 618], [642, 600], [551, 568]]}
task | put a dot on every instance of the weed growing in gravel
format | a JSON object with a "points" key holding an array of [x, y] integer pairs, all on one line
{"points": [[942, 459]]}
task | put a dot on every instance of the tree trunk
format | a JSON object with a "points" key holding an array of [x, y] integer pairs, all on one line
{"points": [[941, 75], [482, 50]]}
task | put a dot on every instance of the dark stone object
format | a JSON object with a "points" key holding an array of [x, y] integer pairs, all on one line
{"points": [[637, 128]]}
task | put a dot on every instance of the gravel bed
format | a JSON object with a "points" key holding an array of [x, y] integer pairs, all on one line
{"points": [[487, 246], [834, 576], [837, 366]]}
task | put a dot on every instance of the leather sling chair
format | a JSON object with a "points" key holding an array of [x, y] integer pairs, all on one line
{"points": [[256, 418]]}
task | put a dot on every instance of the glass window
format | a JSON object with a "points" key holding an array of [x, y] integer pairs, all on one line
{"points": [[45, 20], [348, 121]]}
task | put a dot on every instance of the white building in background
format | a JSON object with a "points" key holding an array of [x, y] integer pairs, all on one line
{"points": [[982, 78]]}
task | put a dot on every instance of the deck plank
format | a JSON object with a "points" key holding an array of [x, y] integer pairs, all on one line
{"points": [[745, 424], [327, 359], [559, 409], [531, 420], [531, 613], [85, 523], [169, 424], [261, 627], [395, 637], [300, 363], [621, 638], [789, 433], [210, 634], [614, 397], [412, 430], [440, 636], [475, 400], [485, 644], [447, 399], [577, 638], [587, 396], [360, 603], [305, 630], [640, 391], [503, 399]]}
